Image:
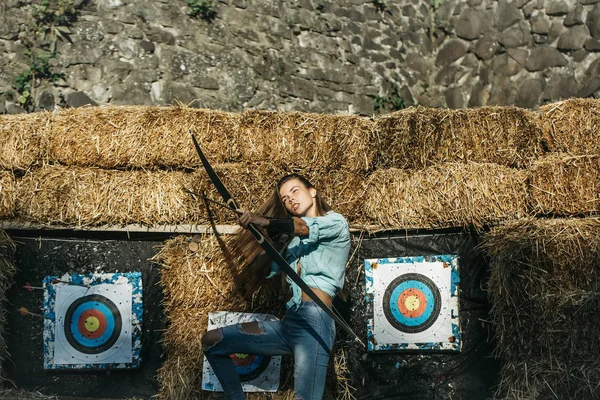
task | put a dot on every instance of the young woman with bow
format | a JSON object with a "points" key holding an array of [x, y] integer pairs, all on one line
{"points": [[318, 251]]}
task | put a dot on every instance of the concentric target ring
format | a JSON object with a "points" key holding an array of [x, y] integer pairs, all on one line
{"points": [[92, 324], [250, 366], [412, 303]]}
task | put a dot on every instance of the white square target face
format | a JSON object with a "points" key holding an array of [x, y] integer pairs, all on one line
{"points": [[257, 373], [92, 321], [93, 318], [415, 303]]}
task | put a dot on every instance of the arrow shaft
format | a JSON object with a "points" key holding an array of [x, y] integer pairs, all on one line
{"points": [[210, 200]]}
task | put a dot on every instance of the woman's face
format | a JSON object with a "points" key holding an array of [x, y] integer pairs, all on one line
{"points": [[298, 199]]}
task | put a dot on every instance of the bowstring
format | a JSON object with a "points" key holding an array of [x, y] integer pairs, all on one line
{"points": [[333, 308]]}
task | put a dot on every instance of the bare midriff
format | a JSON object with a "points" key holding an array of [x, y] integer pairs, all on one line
{"points": [[324, 296]]}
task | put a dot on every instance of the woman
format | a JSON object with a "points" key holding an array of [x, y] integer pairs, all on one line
{"points": [[318, 251]]}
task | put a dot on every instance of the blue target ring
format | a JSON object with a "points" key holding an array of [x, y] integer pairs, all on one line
{"points": [[111, 324], [428, 293], [250, 366], [109, 327]]}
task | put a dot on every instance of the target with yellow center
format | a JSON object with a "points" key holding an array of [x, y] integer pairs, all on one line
{"points": [[93, 321], [415, 303]]}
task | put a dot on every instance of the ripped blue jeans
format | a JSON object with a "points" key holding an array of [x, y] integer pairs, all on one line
{"points": [[307, 332]]}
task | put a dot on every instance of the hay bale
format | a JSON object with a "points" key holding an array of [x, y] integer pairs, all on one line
{"points": [[23, 138], [419, 137], [199, 279], [7, 194], [565, 185], [138, 136], [572, 126], [8, 268], [545, 291], [446, 195], [92, 196], [193, 283], [321, 142]]}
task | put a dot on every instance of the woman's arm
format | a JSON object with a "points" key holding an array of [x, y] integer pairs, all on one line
{"points": [[300, 228]]}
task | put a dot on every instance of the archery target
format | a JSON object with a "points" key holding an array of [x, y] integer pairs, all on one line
{"points": [[94, 325], [257, 373], [411, 303], [415, 303], [91, 325], [250, 366]]}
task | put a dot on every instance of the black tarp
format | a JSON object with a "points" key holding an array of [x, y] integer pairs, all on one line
{"points": [[470, 374], [40, 256]]}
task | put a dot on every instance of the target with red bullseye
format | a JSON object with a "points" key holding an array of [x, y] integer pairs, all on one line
{"points": [[257, 373], [415, 303], [93, 321]]}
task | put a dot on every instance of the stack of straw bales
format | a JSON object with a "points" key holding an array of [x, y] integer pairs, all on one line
{"points": [[120, 165], [566, 180], [7, 270], [442, 168], [545, 292], [417, 168]]}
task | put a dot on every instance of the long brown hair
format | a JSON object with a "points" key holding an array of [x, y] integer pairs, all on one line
{"points": [[252, 261]]}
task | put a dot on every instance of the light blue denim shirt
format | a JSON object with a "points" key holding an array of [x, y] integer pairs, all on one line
{"points": [[322, 254]]}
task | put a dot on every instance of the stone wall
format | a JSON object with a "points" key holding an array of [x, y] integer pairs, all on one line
{"points": [[349, 56]]}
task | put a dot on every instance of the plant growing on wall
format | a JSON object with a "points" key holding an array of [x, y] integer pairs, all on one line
{"points": [[435, 4], [39, 69], [203, 9], [50, 22], [392, 102], [52, 19], [380, 5]]}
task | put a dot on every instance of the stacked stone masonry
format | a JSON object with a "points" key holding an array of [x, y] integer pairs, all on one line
{"points": [[340, 56]]}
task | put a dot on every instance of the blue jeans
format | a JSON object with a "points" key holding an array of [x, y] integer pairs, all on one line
{"points": [[306, 332]]}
